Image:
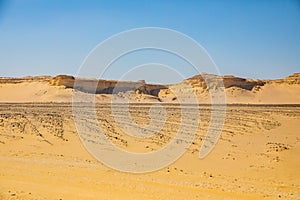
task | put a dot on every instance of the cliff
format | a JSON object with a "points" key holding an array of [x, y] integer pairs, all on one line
{"points": [[105, 86]]}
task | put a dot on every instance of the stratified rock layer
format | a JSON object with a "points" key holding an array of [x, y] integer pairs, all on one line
{"points": [[106, 86]]}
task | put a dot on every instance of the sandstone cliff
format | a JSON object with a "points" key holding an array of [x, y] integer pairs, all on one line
{"points": [[106, 86]]}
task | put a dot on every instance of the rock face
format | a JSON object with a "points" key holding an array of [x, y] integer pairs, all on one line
{"points": [[25, 79], [67, 81], [106, 86], [292, 79], [203, 80]]}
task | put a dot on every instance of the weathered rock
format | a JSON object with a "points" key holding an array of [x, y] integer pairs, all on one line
{"points": [[105, 86], [203, 80]]}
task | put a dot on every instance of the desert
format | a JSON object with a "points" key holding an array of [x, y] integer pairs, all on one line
{"points": [[237, 90], [256, 157], [149, 100]]}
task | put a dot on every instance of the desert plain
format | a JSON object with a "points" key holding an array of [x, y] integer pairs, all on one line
{"points": [[256, 157]]}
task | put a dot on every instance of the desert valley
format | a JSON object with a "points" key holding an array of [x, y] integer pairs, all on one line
{"points": [[256, 157]]}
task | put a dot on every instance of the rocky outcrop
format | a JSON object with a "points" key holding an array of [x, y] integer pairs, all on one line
{"points": [[106, 86], [205, 80], [200, 83], [25, 79], [67, 81], [237, 90], [292, 79]]}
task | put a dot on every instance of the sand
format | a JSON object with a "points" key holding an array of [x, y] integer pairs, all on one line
{"points": [[257, 157]]}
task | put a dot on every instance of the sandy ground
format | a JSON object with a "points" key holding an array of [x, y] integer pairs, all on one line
{"points": [[257, 157]]}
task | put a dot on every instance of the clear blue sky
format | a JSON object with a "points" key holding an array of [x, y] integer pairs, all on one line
{"points": [[255, 39]]}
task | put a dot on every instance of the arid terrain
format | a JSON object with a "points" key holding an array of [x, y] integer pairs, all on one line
{"points": [[256, 157], [237, 90]]}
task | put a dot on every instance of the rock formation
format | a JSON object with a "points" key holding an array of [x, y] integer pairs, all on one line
{"points": [[106, 86]]}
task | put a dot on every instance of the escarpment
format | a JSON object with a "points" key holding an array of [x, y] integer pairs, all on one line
{"points": [[106, 86]]}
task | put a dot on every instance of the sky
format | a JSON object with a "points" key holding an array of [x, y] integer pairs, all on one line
{"points": [[251, 39]]}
